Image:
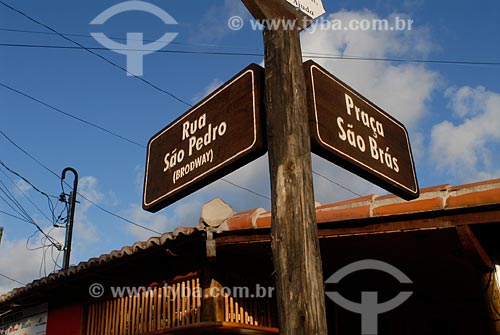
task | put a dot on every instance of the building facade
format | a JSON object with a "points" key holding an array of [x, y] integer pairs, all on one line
{"points": [[441, 249]]}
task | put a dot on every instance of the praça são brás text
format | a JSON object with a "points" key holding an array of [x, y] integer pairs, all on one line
{"points": [[197, 135], [347, 133]]}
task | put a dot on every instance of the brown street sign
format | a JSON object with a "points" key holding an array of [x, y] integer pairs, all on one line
{"points": [[352, 132], [217, 136]]}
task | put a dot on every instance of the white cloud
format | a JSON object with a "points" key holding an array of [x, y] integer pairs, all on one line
{"points": [[184, 214], [24, 265], [85, 231], [22, 187], [400, 89], [467, 149], [210, 88]]}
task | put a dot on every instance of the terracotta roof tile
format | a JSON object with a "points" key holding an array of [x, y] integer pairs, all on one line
{"points": [[440, 197], [97, 261], [423, 205]]}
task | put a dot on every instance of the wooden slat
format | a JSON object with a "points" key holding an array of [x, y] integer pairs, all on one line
{"points": [[91, 320], [144, 314], [152, 309], [226, 308], [100, 318], [168, 307], [231, 309], [194, 293], [125, 319], [179, 305], [187, 304], [183, 305], [114, 317], [159, 300], [106, 317], [133, 313], [198, 299]]}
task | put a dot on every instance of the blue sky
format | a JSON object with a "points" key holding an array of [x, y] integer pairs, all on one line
{"points": [[451, 111]]}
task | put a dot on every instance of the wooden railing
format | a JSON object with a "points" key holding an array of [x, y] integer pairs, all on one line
{"points": [[250, 311], [155, 309], [152, 309]]}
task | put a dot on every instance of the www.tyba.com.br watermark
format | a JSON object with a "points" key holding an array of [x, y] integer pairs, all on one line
{"points": [[97, 290], [324, 24]]}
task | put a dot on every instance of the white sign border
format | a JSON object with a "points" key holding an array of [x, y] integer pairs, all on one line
{"points": [[221, 89], [415, 183]]}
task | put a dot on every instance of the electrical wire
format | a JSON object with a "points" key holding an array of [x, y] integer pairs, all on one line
{"points": [[11, 279], [26, 180], [80, 46], [94, 53], [17, 207], [338, 184], [245, 189], [130, 39], [28, 96], [24, 94], [90, 201], [51, 205], [112, 133], [260, 54], [15, 217]]}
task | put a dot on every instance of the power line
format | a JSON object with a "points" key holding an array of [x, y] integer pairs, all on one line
{"points": [[20, 210], [15, 217], [119, 216], [26, 180], [94, 53], [194, 52], [12, 279], [245, 189], [334, 182], [80, 46], [51, 205], [258, 54], [28, 96], [130, 39], [58, 177]]}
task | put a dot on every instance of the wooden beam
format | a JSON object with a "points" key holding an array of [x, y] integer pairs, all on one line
{"points": [[474, 250], [374, 226], [294, 233]]}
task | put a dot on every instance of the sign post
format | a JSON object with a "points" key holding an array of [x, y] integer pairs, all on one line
{"points": [[294, 234]]}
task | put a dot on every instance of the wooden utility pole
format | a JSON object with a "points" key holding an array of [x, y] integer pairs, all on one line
{"points": [[294, 234], [71, 216]]}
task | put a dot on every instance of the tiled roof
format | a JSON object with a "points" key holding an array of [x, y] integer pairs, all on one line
{"points": [[98, 261], [442, 197], [437, 198]]}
